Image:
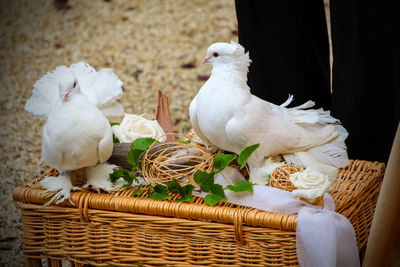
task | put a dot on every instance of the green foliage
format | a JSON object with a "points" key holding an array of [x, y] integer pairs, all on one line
{"points": [[221, 161], [245, 155], [125, 174], [160, 193], [143, 143], [118, 174], [204, 179], [115, 139], [184, 191], [217, 194], [133, 157], [241, 186], [138, 147], [137, 191]]}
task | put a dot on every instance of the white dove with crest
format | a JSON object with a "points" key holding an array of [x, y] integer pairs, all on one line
{"points": [[226, 114], [77, 133]]}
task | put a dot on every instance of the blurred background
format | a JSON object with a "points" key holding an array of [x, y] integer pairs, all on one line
{"points": [[150, 44]]}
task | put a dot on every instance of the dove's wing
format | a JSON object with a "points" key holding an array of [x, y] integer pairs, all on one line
{"points": [[276, 129], [52, 156], [45, 93], [105, 146], [114, 109], [193, 119]]}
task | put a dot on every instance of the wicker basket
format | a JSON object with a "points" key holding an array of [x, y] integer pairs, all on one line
{"points": [[105, 229]]}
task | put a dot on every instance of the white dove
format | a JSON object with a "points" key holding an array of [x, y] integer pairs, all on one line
{"points": [[226, 114], [77, 134]]}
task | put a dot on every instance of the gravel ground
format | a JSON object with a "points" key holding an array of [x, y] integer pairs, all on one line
{"points": [[150, 45]]}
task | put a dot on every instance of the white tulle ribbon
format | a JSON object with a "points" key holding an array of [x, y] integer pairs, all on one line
{"points": [[324, 237]]}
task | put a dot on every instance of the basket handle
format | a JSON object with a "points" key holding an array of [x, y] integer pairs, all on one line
{"points": [[238, 228]]}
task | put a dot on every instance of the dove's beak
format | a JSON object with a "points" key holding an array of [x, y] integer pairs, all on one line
{"points": [[65, 95], [205, 60]]}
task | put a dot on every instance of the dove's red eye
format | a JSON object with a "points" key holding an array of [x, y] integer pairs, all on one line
{"points": [[215, 54]]}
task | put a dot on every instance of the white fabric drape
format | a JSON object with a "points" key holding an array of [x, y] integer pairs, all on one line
{"points": [[324, 237]]}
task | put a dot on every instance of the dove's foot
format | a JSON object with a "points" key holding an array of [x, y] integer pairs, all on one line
{"points": [[98, 177], [60, 187]]}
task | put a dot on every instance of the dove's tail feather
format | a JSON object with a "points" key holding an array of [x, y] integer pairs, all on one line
{"points": [[113, 110], [307, 160], [45, 93], [302, 114], [333, 153], [101, 88], [108, 86], [287, 102], [326, 158]]}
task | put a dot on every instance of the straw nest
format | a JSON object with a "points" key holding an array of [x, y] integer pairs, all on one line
{"points": [[179, 160], [280, 177]]}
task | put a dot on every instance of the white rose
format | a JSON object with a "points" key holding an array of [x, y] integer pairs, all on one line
{"points": [[310, 184], [133, 127]]}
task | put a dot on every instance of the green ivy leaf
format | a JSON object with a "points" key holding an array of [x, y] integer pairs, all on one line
{"points": [[143, 143], [212, 199], [114, 123], [160, 193], [124, 173], [222, 160], [129, 180], [137, 191], [158, 196], [217, 194], [218, 190], [245, 155], [186, 193], [241, 186], [133, 157], [118, 174], [174, 187], [204, 179]]}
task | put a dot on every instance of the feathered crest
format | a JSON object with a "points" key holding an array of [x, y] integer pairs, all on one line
{"points": [[239, 50], [102, 89], [243, 57]]}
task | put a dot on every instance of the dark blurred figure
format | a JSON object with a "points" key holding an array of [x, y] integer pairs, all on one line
{"points": [[288, 43]]}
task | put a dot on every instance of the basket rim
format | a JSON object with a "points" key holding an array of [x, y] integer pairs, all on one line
{"points": [[224, 212]]}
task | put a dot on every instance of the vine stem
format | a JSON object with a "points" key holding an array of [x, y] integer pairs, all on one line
{"points": [[225, 178], [248, 171]]}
